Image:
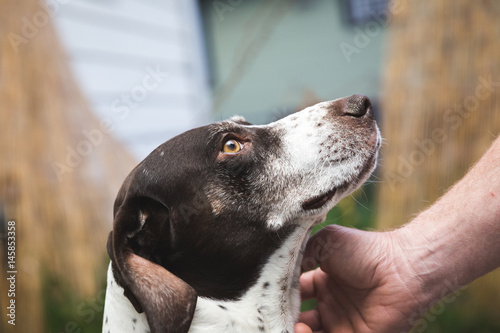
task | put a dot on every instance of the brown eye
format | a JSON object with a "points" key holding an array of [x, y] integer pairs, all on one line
{"points": [[231, 147]]}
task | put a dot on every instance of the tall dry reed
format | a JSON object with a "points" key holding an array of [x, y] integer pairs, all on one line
{"points": [[440, 108], [62, 218]]}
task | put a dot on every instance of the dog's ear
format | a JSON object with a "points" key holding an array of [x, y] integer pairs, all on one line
{"points": [[140, 226]]}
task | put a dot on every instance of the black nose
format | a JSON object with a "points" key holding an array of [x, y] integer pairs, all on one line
{"points": [[357, 106]]}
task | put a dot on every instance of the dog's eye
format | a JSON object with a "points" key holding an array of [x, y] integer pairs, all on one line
{"points": [[231, 147]]}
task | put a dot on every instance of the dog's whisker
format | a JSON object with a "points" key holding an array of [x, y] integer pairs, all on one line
{"points": [[359, 203]]}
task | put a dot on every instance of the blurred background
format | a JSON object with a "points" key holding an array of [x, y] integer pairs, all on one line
{"points": [[88, 88]]}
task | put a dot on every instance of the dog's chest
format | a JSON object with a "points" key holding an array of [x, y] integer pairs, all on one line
{"points": [[271, 305]]}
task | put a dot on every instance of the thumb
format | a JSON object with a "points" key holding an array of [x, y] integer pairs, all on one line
{"points": [[302, 328]]}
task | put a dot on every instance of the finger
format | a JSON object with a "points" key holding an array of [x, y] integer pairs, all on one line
{"points": [[307, 288], [302, 328], [311, 319]]}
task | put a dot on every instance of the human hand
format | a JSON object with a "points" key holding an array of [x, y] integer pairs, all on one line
{"points": [[365, 282], [384, 281]]}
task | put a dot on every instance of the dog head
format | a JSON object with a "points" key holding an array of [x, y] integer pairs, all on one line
{"points": [[203, 212]]}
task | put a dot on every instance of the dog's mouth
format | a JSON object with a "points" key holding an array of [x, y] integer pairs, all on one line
{"points": [[319, 201]]}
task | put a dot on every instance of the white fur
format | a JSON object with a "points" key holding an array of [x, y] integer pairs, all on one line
{"points": [[119, 313], [300, 173]]}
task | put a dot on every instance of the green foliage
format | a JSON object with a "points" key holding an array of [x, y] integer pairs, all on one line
{"points": [[459, 316], [65, 312]]}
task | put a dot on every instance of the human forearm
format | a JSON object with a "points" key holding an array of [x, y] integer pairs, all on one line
{"points": [[458, 238]]}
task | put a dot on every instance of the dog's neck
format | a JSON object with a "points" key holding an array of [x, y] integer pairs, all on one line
{"points": [[272, 304]]}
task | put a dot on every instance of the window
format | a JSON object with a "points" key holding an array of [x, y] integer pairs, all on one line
{"points": [[361, 11]]}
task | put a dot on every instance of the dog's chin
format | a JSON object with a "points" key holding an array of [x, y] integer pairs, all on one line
{"points": [[322, 203]]}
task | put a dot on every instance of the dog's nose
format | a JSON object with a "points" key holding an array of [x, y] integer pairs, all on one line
{"points": [[357, 106]]}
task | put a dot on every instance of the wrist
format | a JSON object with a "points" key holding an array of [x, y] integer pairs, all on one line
{"points": [[419, 266]]}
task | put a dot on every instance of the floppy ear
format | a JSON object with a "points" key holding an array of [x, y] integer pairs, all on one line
{"points": [[169, 303]]}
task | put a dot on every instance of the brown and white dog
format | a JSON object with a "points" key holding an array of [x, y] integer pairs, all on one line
{"points": [[208, 229]]}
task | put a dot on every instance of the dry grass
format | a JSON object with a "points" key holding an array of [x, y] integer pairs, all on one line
{"points": [[437, 52], [61, 225]]}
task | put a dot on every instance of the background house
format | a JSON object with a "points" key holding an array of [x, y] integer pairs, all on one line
{"points": [[269, 58], [141, 64], [259, 59]]}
